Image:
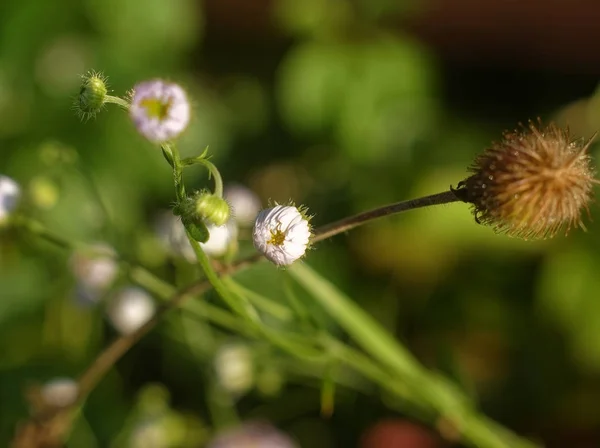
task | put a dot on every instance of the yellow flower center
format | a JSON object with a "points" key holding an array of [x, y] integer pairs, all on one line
{"points": [[157, 108], [277, 237]]}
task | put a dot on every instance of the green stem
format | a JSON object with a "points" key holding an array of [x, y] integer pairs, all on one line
{"points": [[123, 104], [230, 299], [177, 171], [212, 169], [39, 230]]}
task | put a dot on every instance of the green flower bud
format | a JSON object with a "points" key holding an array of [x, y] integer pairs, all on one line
{"points": [[92, 95], [212, 208]]}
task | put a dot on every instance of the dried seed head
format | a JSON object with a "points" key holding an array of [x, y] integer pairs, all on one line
{"points": [[532, 184]]}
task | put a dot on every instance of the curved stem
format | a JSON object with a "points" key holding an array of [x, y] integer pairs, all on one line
{"points": [[212, 169]]}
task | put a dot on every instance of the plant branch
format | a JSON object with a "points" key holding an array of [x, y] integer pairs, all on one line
{"points": [[343, 225]]}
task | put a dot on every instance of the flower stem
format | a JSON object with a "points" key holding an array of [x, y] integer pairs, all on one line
{"points": [[212, 169], [177, 171], [343, 225], [123, 104]]}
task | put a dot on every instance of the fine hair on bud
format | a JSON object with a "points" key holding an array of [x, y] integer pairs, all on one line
{"points": [[92, 95], [532, 184]]}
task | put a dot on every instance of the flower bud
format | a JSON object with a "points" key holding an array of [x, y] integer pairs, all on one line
{"points": [[92, 95], [212, 208], [531, 184]]}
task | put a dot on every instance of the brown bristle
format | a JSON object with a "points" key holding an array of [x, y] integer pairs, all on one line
{"points": [[531, 184]]}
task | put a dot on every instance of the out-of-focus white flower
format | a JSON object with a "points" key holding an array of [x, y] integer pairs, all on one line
{"points": [[160, 110], [10, 193], [234, 368], [171, 232], [281, 234], [130, 309], [244, 203], [220, 237], [253, 435], [96, 267], [60, 392], [95, 270], [150, 434]]}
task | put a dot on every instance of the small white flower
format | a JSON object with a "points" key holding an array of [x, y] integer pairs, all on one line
{"points": [[252, 435], [130, 309], [10, 193], [160, 110], [281, 234], [171, 232], [60, 392], [96, 267], [244, 203], [95, 270], [220, 238], [235, 368]]}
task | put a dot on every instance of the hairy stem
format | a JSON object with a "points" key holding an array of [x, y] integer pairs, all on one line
{"points": [[343, 225]]}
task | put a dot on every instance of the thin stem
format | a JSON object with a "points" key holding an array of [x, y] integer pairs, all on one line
{"points": [[343, 225], [212, 169], [177, 171], [226, 294], [123, 104], [121, 345], [38, 229], [174, 299]]}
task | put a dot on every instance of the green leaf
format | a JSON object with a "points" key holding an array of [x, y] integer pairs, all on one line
{"points": [[197, 230]]}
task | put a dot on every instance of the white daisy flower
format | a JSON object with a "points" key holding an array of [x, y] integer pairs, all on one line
{"points": [[60, 392], [130, 309], [160, 110], [10, 193], [244, 203], [281, 234]]}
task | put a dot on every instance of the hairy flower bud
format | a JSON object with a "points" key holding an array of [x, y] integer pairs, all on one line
{"points": [[531, 184], [92, 95], [212, 208]]}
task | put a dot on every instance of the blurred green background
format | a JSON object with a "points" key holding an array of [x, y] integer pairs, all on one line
{"points": [[341, 106]]}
